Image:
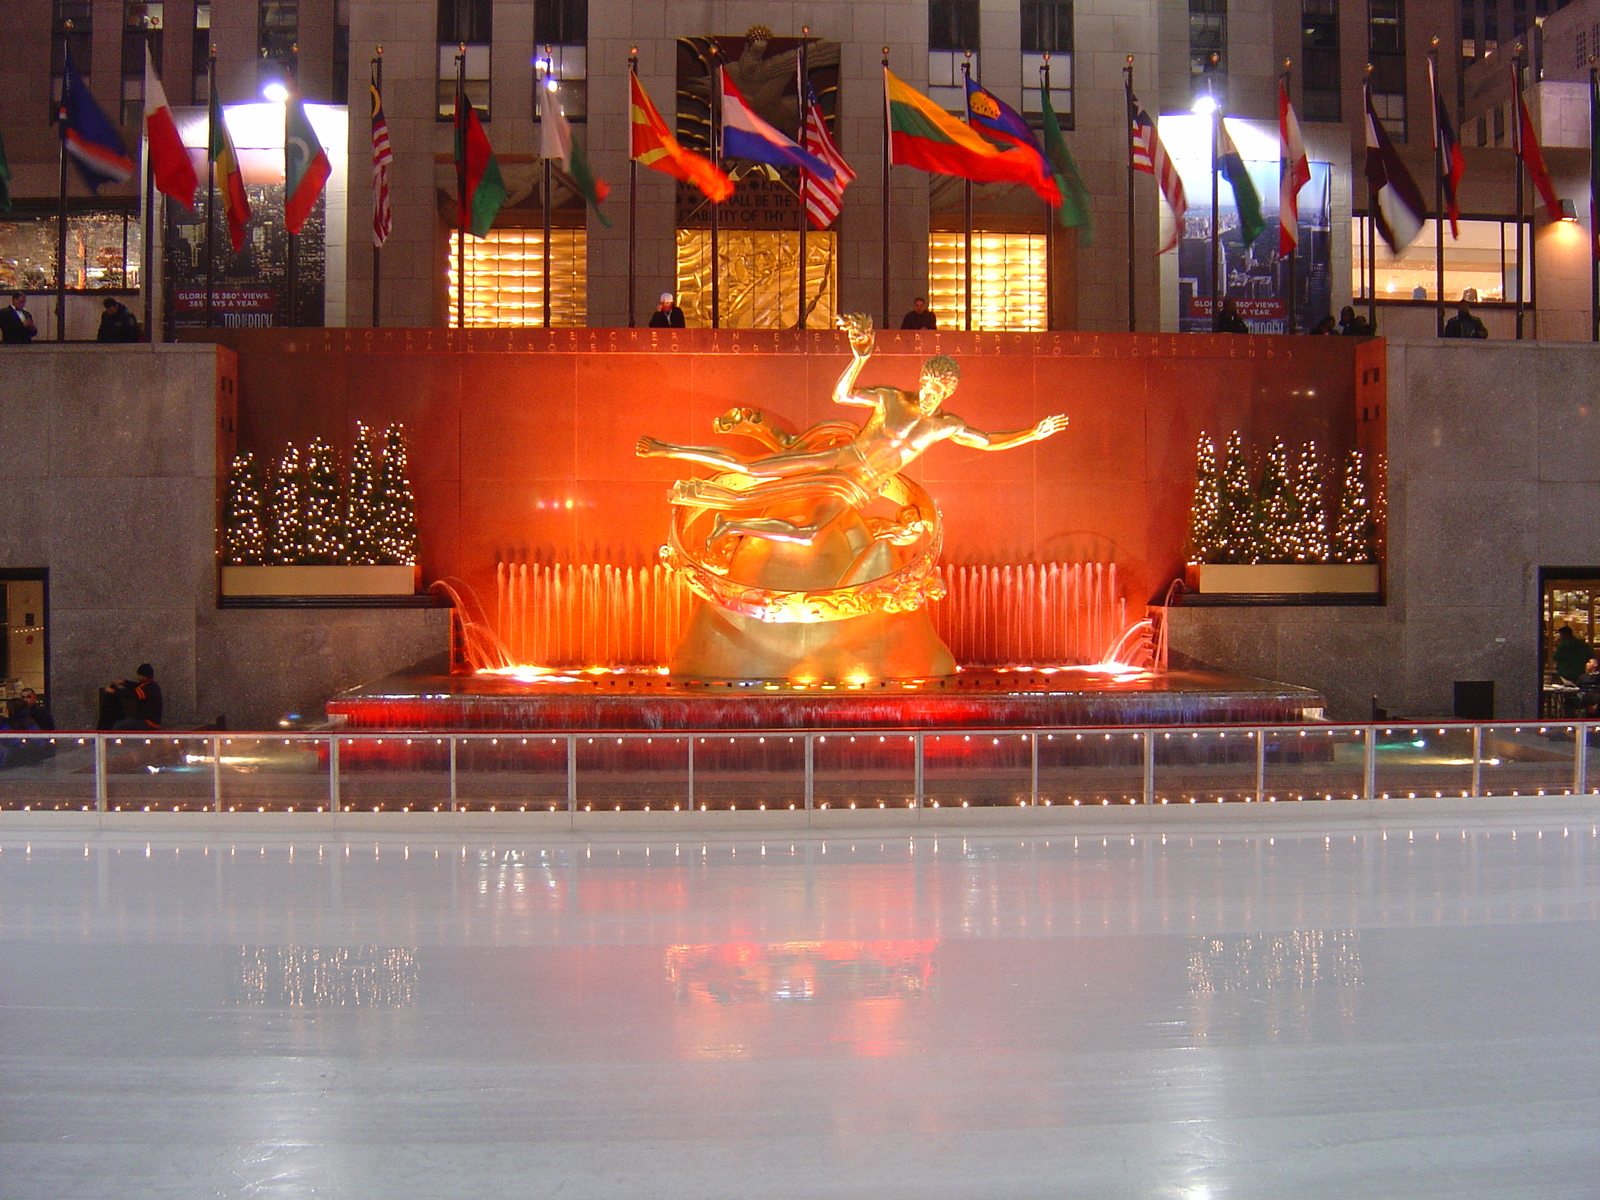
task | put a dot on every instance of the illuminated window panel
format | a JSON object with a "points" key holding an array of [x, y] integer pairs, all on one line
{"points": [[1483, 260], [505, 279], [760, 283], [1009, 280]]}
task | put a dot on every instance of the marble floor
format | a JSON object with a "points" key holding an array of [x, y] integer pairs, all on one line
{"points": [[1362, 1009]]}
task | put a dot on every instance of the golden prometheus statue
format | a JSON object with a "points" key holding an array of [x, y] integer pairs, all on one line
{"points": [[815, 559]]}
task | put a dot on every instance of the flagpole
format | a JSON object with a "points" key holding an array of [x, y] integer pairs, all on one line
{"points": [[1049, 223], [148, 258], [883, 240], [1127, 91], [966, 202], [377, 278], [211, 183], [461, 185], [801, 96], [633, 197], [61, 199], [1516, 141], [1216, 232], [543, 88], [1284, 167], [1438, 192], [1594, 203], [716, 157], [294, 238]]}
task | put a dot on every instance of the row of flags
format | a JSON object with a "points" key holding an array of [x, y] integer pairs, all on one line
{"points": [[994, 144]]}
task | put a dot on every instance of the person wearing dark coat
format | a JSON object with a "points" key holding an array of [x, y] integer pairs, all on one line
{"points": [[1571, 655], [1228, 320], [16, 322], [138, 700], [919, 317], [667, 315], [117, 324], [1465, 324]]}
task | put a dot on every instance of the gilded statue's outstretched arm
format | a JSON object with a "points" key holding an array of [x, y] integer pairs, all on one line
{"points": [[858, 328], [977, 439]]}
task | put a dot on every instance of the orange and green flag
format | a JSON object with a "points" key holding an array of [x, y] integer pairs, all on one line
{"points": [[923, 135], [653, 145], [229, 178]]}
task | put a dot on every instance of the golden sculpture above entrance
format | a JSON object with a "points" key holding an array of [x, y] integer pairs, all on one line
{"points": [[814, 559]]}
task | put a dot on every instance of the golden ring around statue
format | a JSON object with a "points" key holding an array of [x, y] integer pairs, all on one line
{"points": [[906, 588]]}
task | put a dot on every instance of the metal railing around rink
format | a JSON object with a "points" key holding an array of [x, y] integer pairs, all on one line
{"points": [[782, 770]]}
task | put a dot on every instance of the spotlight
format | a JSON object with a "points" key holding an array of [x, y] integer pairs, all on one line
{"points": [[275, 93]]}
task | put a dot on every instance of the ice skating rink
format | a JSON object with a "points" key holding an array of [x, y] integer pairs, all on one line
{"points": [[1314, 1008]]}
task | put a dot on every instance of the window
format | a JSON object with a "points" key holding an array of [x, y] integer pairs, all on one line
{"points": [[759, 286], [102, 248], [1047, 29], [1483, 261], [1319, 59], [200, 52], [561, 22], [505, 279], [1009, 280], [141, 23], [340, 92], [1208, 47], [1386, 51], [277, 31], [469, 23], [952, 32], [566, 68]]}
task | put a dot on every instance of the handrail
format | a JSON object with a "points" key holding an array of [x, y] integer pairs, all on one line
{"points": [[688, 770]]}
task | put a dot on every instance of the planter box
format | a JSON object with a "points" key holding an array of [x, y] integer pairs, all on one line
{"points": [[320, 581], [1300, 579]]}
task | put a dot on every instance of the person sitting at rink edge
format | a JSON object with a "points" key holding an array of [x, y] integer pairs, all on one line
{"points": [[132, 704], [667, 315], [1326, 326], [919, 317]]}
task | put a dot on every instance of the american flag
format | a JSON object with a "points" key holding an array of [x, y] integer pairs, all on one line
{"points": [[382, 214], [822, 196], [1150, 155]]}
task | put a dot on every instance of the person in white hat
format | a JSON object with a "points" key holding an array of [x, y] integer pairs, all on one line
{"points": [[667, 314]]}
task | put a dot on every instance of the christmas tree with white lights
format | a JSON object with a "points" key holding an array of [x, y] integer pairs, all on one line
{"points": [[1309, 542], [285, 538], [1240, 527], [394, 526], [1276, 505], [1205, 512], [322, 523], [1353, 530], [244, 533], [361, 501]]}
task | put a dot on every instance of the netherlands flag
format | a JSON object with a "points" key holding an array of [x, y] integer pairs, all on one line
{"points": [[747, 136], [92, 140]]}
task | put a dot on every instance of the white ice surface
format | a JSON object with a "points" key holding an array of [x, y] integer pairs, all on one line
{"points": [[1350, 1013]]}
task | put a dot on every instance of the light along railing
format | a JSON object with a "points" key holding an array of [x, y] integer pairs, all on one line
{"points": [[782, 770]]}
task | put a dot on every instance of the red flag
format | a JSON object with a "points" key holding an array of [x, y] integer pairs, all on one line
{"points": [[382, 157], [1294, 174], [170, 164], [822, 196], [1452, 165], [1533, 157]]}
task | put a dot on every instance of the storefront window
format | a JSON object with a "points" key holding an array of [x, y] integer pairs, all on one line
{"points": [[1482, 261], [1569, 599], [505, 279], [102, 250], [1009, 280], [760, 283]]}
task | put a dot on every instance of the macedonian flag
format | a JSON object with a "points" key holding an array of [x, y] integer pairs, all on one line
{"points": [[653, 145]]}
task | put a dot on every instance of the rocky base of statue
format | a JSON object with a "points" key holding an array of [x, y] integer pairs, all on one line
{"points": [[880, 645]]}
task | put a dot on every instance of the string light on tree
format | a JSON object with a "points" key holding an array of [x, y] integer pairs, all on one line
{"points": [[1310, 540], [322, 537], [244, 534], [1240, 540], [1353, 530], [1205, 513], [360, 501], [285, 524], [395, 527], [1277, 507]]}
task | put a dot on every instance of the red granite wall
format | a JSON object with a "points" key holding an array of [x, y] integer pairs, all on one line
{"points": [[522, 440]]}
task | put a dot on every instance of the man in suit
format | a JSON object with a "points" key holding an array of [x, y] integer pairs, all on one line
{"points": [[16, 322]]}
